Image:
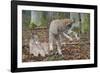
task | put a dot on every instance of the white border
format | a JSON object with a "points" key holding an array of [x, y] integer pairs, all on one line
{"points": [[54, 63]]}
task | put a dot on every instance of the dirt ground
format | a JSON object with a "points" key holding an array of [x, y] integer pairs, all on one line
{"points": [[75, 50]]}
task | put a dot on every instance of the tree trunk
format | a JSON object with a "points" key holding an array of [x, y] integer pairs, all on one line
{"points": [[35, 17]]}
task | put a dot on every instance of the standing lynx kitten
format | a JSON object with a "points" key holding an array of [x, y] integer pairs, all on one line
{"points": [[58, 28]]}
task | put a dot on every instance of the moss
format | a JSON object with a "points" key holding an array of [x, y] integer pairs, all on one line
{"points": [[32, 25]]}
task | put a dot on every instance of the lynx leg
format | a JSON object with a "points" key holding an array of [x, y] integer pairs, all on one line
{"points": [[58, 46], [51, 39], [67, 36]]}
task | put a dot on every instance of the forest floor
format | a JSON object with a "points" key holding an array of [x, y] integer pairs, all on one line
{"points": [[75, 50]]}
